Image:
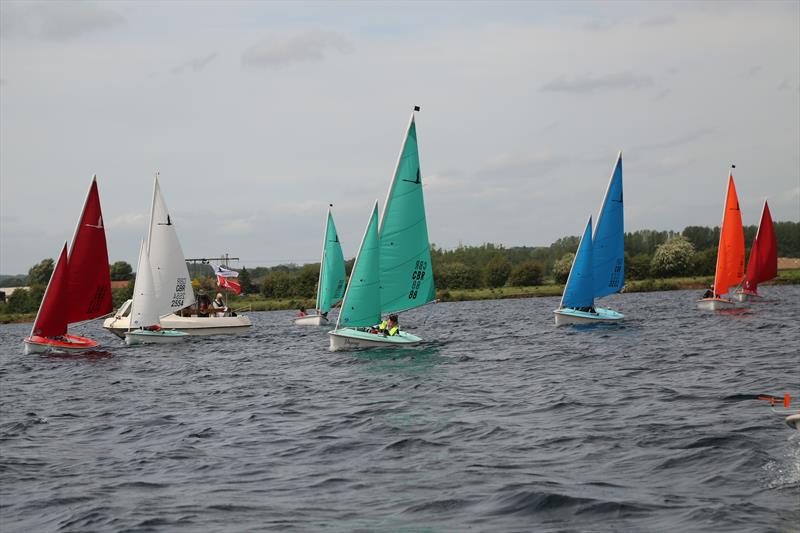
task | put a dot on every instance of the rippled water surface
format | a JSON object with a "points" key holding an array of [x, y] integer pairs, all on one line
{"points": [[500, 422]]}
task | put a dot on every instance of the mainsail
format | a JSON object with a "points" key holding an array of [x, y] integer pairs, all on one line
{"points": [[579, 291], [763, 263], [170, 274], [406, 273], [89, 280], [362, 300], [608, 244], [330, 289], [730, 256]]}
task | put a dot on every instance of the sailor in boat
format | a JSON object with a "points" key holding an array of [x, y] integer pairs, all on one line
{"points": [[302, 312], [388, 327], [709, 292], [219, 305], [203, 303]]}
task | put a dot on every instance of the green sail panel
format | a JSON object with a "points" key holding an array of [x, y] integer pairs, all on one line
{"points": [[406, 273], [332, 275], [362, 300]]}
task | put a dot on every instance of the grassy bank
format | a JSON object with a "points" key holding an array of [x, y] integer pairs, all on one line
{"points": [[256, 303]]}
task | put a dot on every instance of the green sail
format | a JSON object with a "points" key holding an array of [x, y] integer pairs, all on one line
{"points": [[362, 300], [406, 273], [331, 275]]}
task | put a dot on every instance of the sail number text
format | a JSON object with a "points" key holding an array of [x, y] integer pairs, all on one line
{"points": [[416, 278]]}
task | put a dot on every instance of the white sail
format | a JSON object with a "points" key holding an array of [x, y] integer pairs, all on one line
{"points": [[173, 286], [144, 309]]}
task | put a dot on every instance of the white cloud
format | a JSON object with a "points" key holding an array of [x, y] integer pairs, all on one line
{"points": [[56, 20], [308, 46]]}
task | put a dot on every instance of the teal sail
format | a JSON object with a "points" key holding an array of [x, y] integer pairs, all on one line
{"points": [[406, 273], [362, 299], [579, 291], [330, 289], [608, 244]]}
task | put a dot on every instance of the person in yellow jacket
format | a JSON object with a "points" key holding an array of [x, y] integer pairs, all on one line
{"points": [[389, 326]]}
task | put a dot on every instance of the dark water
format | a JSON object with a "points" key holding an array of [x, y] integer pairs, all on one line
{"points": [[502, 423]]}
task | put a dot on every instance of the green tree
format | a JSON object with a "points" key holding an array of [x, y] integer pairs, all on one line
{"points": [[278, 284], [562, 267], [638, 266], [39, 274], [457, 276], [22, 301], [526, 274], [245, 281], [704, 262], [121, 295], [497, 271], [673, 258], [121, 271]]}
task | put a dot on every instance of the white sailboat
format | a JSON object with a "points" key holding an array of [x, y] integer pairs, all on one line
{"points": [[145, 308], [172, 283]]}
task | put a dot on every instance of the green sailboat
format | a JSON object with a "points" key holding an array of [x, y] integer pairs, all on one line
{"points": [[393, 271], [332, 277]]}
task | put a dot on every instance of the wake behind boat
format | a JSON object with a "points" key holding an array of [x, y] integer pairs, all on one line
{"points": [[730, 254], [79, 288], [392, 272], [599, 265], [332, 277]]}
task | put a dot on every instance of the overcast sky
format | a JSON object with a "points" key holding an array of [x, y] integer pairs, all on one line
{"points": [[259, 114]]}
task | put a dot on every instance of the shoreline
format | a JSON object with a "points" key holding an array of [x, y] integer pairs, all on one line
{"points": [[785, 277]]}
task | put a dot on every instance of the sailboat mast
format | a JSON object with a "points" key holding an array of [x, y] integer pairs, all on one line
{"points": [[152, 212], [355, 264], [396, 167]]}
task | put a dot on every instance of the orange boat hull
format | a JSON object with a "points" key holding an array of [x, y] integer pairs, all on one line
{"points": [[67, 343]]}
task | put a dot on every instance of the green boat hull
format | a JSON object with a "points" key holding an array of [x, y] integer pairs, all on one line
{"points": [[350, 338]]}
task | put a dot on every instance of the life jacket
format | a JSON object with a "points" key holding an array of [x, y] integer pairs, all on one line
{"points": [[392, 332]]}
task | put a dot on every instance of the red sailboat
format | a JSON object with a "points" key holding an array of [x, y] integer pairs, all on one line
{"points": [[79, 288], [730, 255], [763, 263]]}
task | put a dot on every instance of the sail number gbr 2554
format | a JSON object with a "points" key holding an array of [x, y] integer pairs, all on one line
{"points": [[416, 278]]}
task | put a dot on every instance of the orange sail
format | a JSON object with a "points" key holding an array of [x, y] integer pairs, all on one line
{"points": [[730, 256]]}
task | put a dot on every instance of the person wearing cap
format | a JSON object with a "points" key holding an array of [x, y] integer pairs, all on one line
{"points": [[203, 303]]}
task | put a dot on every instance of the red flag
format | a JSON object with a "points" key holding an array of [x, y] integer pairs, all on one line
{"points": [[227, 283]]}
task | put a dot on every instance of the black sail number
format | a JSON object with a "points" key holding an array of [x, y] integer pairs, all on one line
{"points": [[416, 278]]}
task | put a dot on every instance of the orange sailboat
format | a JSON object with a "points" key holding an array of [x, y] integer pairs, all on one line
{"points": [[763, 263], [730, 255], [79, 288]]}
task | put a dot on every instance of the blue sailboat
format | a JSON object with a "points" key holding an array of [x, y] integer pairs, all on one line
{"points": [[599, 266]]}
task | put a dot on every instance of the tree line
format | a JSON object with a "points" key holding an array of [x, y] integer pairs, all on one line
{"points": [[648, 254]]}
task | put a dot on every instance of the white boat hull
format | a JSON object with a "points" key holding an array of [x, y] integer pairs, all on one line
{"points": [[741, 296], [566, 316], [349, 339], [793, 421], [311, 320], [154, 337], [193, 325], [715, 304]]}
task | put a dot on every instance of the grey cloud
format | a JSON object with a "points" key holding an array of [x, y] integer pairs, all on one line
{"points": [[658, 20], [663, 93], [308, 46], [785, 85], [752, 71], [686, 138], [589, 83], [56, 20], [520, 166], [196, 64]]}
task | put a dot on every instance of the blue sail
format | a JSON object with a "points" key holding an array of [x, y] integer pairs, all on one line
{"points": [[608, 244], [579, 290]]}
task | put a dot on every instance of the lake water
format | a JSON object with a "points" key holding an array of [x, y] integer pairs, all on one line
{"points": [[501, 422]]}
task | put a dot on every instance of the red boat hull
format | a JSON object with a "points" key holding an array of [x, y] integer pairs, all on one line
{"points": [[68, 343]]}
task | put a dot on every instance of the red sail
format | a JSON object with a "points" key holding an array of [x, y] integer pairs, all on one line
{"points": [[89, 281], [51, 320], [763, 263], [730, 255]]}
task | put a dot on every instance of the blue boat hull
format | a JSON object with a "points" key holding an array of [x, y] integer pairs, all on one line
{"points": [[566, 316]]}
